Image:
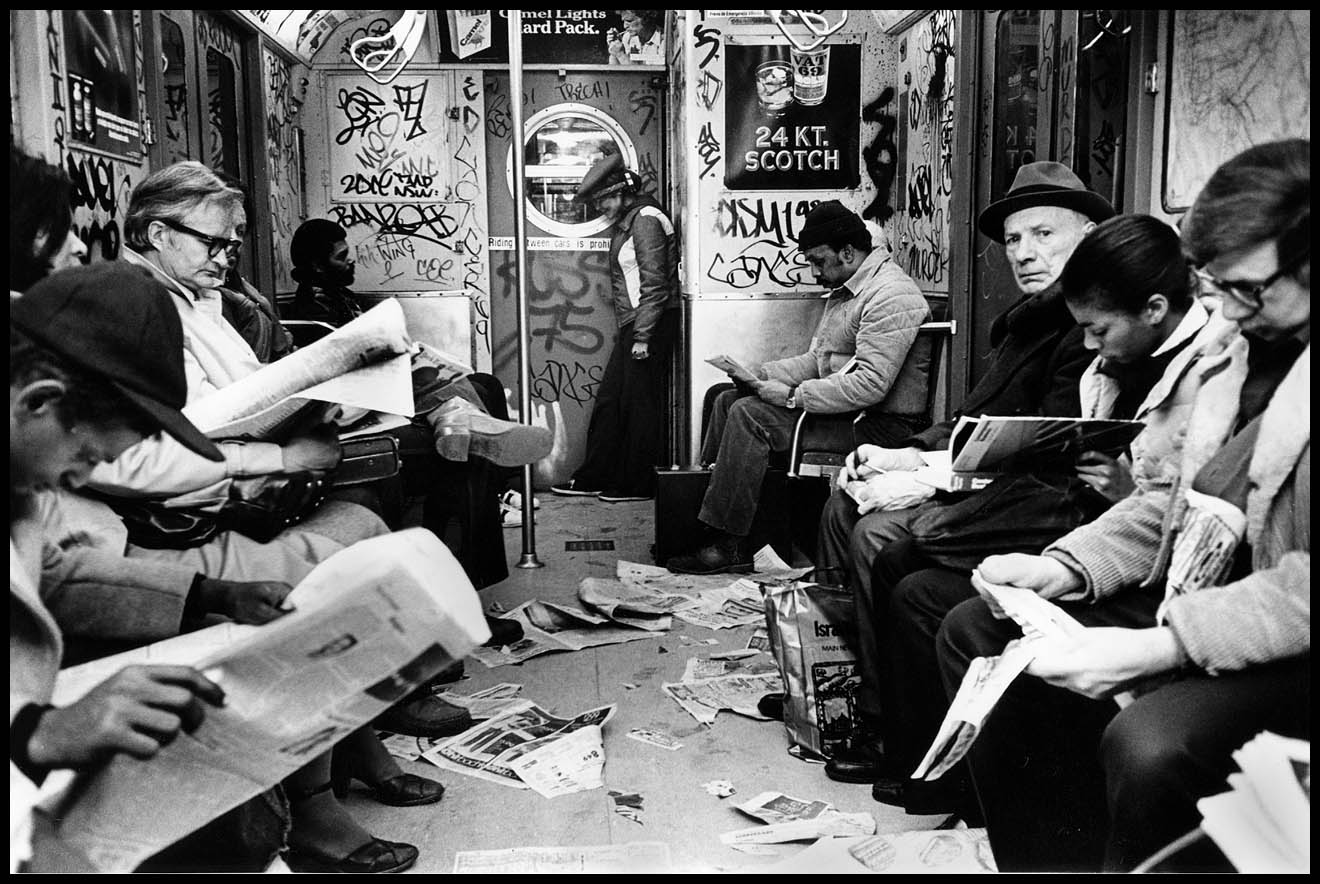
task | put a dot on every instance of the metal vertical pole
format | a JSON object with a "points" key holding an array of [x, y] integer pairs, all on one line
{"points": [[528, 559]]}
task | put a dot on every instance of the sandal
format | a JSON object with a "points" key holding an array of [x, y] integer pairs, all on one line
{"points": [[377, 856]]}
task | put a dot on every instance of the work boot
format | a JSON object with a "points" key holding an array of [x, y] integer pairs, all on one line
{"points": [[724, 556], [464, 430]]}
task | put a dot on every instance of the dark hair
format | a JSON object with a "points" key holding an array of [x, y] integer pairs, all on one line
{"points": [[88, 399], [1125, 260], [311, 243], [1262, 194], [40, 205]]}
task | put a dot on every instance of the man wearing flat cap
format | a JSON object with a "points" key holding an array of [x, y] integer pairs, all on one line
{"points": [[861, 356], [1034, 369], [625, 439]]}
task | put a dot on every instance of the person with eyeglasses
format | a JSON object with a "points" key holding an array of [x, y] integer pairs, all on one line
{"points": [[1214, 648]]}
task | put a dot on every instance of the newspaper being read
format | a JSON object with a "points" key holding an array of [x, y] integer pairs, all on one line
{"points": [[1263, 823], [637, 857], [363, 364], [293, 688], [988, 677], [548, 627], [1208, 538], [526, 741], [733, 368]]}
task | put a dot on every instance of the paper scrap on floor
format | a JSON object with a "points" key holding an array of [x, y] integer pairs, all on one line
{"points": [[487, 750], [628, 805], [654, 738], [776, 807], [951, 851], [830, 822], [634, 857], [740, 693]]}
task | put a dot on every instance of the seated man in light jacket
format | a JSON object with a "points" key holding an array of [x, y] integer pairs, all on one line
{"points": [[861, 356]]}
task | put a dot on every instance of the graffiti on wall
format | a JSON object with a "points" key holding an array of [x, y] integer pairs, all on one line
{"points": [[101, 184], [921, 236], [284, 99], [408, 186]]}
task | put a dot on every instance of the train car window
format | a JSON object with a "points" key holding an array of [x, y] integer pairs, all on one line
{"points": [[1017, 88], [174, 59], [563, 141], [222, 114]]}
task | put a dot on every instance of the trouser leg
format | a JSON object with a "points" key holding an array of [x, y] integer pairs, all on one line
{"points": [[605, 430], [869, 535], [719, 417], [642, 412], [754, 429]]}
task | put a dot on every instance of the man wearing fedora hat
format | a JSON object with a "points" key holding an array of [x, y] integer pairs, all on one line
{"points": [[861, 356], [625, 439], [1035, 369]]}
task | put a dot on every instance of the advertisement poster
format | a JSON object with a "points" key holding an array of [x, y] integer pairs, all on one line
{"points": [[560, 36], [102, 78], [792, 118]]}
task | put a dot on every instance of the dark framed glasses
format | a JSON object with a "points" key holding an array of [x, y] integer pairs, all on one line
{"points": [[214, 244], [1246, 292]]}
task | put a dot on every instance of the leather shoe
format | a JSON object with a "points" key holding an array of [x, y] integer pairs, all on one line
{"points": [[771, 706], [374, 857], [721, 557], [864, 763], [424, 716], [916, 796]]}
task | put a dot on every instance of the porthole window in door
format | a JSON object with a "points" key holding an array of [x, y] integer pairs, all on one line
{"points": [[562, 143]]}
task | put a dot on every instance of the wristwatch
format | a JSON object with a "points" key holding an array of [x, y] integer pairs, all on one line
{"points": [[792, 399]]}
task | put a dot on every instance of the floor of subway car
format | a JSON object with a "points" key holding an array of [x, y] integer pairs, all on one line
{"points": [[675, 809]]}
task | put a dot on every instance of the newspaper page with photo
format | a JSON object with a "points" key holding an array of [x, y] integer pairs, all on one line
{"points": [[1263, 823], [293, 688], [363, 364]]}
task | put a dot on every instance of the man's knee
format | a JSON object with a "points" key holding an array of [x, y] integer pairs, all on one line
{"points": [[961, 637], [1139, 746]]}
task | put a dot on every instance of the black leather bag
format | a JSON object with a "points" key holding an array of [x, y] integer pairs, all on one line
{"points": [[258, 508], [1018, 513]]}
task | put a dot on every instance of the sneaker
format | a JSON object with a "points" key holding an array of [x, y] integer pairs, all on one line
{"points": [[573, 488], [513, 500], [511, 518], [623, 496]]}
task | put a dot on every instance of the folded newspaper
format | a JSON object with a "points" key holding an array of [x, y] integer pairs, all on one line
{"points": [[793, 819], [1263, 823], [733, 368], [363, 364], [548, 627], [294, 687], [1208, 538], [740, 692]]}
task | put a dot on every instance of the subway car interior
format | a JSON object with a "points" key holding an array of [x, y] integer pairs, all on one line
{"points": [[674, 441]]}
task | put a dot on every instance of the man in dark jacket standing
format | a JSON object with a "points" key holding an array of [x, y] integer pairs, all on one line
{"points": [[625, 438], [1035, 369]]}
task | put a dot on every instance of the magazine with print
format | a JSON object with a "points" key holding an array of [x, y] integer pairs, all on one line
{"points": [[983, 448], [733, 368]]}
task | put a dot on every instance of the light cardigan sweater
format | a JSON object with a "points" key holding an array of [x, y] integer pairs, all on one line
{"points": [[872, 318], [1265, 616], [214, 356]]}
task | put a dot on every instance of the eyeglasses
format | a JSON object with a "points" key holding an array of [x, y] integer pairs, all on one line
{"points": [[1246, 292], [214, 244]]}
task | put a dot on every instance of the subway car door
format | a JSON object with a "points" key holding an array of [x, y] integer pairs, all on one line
{"points": [[570, 119], [1057, 85], [201, 101]]}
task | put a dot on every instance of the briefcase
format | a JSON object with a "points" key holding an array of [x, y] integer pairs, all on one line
{"points": [[366, 459], [678, 531]]}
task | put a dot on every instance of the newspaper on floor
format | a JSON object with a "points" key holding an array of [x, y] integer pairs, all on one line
{"points": [[572, 762], [363, 364], [294, 687], [699, 669], [766, 565], [738, 604], [487, 750], [705, 698], [776, 807], [638, 857], [642, 606], [829, 823], [759, 640], [1263, 823], [951, 851], [548, 627]]}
